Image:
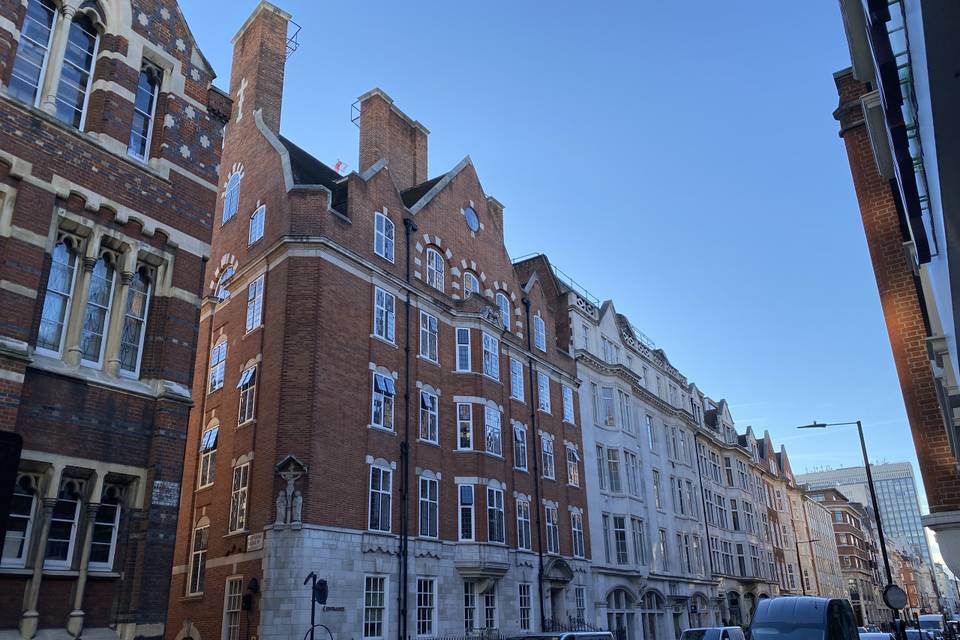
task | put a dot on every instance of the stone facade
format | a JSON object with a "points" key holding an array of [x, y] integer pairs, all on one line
{"points": [[108, 188]]}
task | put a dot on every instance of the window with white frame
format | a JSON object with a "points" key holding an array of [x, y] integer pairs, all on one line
{"points": [[573, 466], [106, 522], [470, 284], [30, 63], [23, 505], [463, 349], [218, 364], [620, 539], [634, 485], [232, 604], [568, 405], [496, 530], [429, 417], [198, 558], [238, 498], [494, 440], [464, 426], [134, 323], [601, 468], [639, 540], [580, 601], [380, 499], [543, 392], [663, 552], [384, 233], [539, 333], [491, 356], [374, 607], [469, 605], [657, 490], [208, 457], [625, 420], [222, 291], [516, 379], [231, 197], [553, 529], [96, 316], [525, 605], [490, 607], [651, 434], [519, 447], [144, 108], [613, 470], [429, 337], [605, 519], [435, 268], [384, 315], [255, 304], [523, 525], [248, 395], [429, 507], [79, 57], [384, 390], [257, 218], [546, 456], [59, 293], [465, 505], [426, 606], [606, 414], [576, 530], [503, 303]]}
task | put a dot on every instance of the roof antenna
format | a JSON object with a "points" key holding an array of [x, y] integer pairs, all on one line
{"points": [[293, 38]]}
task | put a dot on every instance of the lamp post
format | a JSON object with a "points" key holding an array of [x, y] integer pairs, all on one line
{"points": [[873, 499], [803, 584]]}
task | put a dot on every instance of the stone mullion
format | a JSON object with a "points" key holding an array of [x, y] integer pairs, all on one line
{"points": [[78, 305], [118, 312], [30, 617], [58, 48], [75, 622]]}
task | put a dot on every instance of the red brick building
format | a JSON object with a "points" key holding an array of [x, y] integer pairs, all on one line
{"points": [[110, 134], [381, 398]]}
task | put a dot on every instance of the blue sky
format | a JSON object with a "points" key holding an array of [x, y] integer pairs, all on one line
{"points": [[678, 157]]}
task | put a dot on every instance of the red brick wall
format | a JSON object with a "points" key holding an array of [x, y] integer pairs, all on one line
{"points": [[902, 306]]}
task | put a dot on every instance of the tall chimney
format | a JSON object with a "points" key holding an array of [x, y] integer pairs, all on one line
{"points": [[259, 56], [386, 132]]}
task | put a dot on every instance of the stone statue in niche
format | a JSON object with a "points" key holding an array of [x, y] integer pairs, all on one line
{"points": [[290, 501]]}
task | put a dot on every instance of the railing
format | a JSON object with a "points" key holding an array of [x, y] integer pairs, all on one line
{"points": [[570, 624]]}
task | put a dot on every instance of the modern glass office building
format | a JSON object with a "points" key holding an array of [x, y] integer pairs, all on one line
{"points": [[896, 495]]}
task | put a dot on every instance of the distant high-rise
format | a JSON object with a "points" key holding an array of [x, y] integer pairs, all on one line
{"points": [[896, 495]]}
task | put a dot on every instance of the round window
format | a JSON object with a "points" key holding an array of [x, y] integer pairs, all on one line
{"points": [[472, 220]]}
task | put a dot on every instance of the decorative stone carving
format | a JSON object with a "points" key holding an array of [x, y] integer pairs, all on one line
{"points": [[290, 501]]}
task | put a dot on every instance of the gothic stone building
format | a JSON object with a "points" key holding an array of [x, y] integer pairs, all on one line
{"points": [[380, 398], [109, 148]]}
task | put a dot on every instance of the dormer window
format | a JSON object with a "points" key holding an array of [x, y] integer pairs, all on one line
{"points": [[144, 108]]}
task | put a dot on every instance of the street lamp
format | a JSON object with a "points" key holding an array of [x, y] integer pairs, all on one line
{"points": [[803, 584], [887, 597]]}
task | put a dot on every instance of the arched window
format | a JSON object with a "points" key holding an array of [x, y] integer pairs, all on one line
{"points": [[63, 525], [383, 236], [620, 614], [733, 609], [144, 108], [255, 231], [77, 72], [231, 197], [198, 556], [105, 525], [96, 316], [30, 63], [651, 609], [208, 456], [20, 521], [56, 301], [470, 284], [435, 269], [503, 302], [222, 292], [135, 323]]}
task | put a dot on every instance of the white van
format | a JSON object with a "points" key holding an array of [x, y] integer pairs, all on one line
{"points": [[713, 633]]}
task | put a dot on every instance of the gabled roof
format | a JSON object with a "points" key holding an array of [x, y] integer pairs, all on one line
{"points": [[412, 195], [308, 170]]}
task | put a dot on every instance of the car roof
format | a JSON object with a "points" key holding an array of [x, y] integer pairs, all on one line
{"points": [[791, 609]]}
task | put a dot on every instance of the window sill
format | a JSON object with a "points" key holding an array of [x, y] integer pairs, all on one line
{"points": [[520, 400], [574, 424], [380, 429], [521, 470], [204, 487], [249, 423], [423, 358], [239, 532], [384, 341], [193, 597], [428, 442], [544, 411], [252, 330], [250, 245], [498, 456], [465, 451], [489, 377], [548, 478]]}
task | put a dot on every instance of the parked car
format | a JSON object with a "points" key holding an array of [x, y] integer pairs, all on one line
{"points": [[565, 635], [876, 635], [920, 634], [933, 622], [713, 633], [804, 618]]}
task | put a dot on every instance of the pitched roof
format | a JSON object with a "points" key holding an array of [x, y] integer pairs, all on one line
{"points": [[308, 170], [412, 195]]}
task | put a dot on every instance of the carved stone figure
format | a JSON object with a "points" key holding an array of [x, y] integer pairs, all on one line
{"points": [[282, 507], [297, 507]]}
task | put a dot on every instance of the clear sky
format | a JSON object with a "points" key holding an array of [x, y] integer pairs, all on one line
{"points": [[678, 157]]}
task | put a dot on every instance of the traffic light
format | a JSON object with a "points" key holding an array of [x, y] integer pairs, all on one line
{"points": [[320, 592]]}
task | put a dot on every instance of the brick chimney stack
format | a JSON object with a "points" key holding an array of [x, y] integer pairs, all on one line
{"points": [[259, 56], [387, 132]]}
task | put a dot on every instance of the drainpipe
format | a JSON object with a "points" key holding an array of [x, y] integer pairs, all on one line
{"points": [[409, 229], [535, 441]]}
